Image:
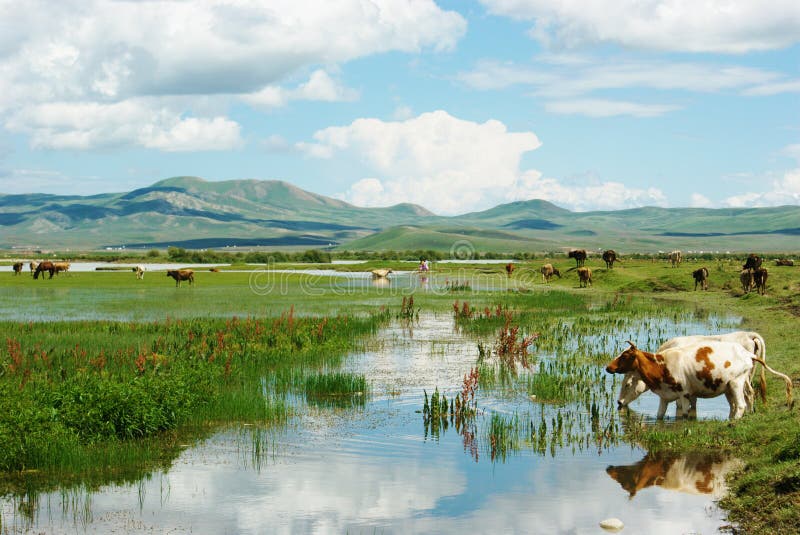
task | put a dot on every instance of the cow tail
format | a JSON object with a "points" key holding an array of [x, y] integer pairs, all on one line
{"points": [[786, 378]]}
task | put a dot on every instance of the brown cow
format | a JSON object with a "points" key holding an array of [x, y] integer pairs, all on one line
{"points": [[61, 266], [181, 275], [509, 269], [579, 255], [548, 271], [585, 276], [760, 279], [701, 278], [784, 262], [753, 262], [746, 278], [610, 257], [17, 267], [44, 266]]}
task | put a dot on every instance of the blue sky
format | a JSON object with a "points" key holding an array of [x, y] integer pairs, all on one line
{"points": [[454, 105]]}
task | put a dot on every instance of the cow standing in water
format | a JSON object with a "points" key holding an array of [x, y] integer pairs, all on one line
{"points": [[181, 275]]}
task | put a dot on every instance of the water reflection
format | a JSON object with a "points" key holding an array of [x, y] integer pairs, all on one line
{"points": [[695, 473]]}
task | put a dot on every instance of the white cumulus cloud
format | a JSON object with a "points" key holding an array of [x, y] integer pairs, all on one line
{"points": [[724, 26], [96, 53], [135, 122], [451, 165], [784, 190]]}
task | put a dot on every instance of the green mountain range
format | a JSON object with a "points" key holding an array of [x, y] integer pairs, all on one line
{"points": [[194, 213]]}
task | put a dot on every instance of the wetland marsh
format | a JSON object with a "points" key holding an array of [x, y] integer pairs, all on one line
{"points": [[303, 405]]}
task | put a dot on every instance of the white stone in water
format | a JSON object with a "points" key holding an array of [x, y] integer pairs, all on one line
{"points": [[612, 524]]}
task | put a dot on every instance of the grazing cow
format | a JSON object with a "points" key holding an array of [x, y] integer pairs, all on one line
{"points": [[747, 280], [61, 266], [509, 269], [214, 270], [701, 370], [784, 262], [381, 273], [584, 276], [181, 275], [579, 255], [548, 271], [753, 262], [609, 257], [44, 266], [675, 257], [139, 270], [701, 278], [760, 279], [33, 265], [694, 473], [633, 386], [17, 267]]}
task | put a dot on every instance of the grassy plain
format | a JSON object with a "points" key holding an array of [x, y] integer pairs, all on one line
{"points": [[113, 314]]}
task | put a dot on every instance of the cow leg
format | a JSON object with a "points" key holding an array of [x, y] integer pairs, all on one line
{"points": [[662, 409], [682, 410], [737, 398]]}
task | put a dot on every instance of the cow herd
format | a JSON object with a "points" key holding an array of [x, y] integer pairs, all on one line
{"points": [[54, 268]]}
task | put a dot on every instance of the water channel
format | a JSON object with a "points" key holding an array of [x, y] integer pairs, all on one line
{"points": [[373, 466]]}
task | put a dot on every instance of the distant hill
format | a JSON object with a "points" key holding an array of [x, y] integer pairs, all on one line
{"points": [[194, 213]]}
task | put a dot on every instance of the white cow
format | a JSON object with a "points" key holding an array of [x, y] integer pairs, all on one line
{"points": [[139, 270], [633, 386], [701, 370]]}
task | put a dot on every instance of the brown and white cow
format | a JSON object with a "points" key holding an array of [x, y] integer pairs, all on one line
{"points": [[548, 271], [784, 262], [694, 473], [633, 385], [33, 266], [675, 258], [181, 275], [760, 279], [609, 257], [701, 278], [579, 255], [702, 370], [139, 270], [17, 268], [584, 276]]}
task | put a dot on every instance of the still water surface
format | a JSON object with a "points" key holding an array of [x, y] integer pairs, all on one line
{"points": [[374, 469]]}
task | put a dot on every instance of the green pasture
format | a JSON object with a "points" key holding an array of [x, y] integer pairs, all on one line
{"points": [[103, 376]]}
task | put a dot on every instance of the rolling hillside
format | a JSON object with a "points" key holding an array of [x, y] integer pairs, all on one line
{"points": [[194, 213]]}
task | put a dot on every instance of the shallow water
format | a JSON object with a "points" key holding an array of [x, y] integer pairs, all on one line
{"points": [[374, 469]]}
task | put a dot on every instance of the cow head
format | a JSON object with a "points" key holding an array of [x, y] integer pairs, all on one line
{"points": [[626, 361], [633, 386]]}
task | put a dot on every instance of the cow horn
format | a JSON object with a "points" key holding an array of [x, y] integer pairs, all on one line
{"points": [[633, 346]]}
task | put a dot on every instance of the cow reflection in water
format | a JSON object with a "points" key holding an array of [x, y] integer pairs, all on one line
{"points": [[693, 473]]}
